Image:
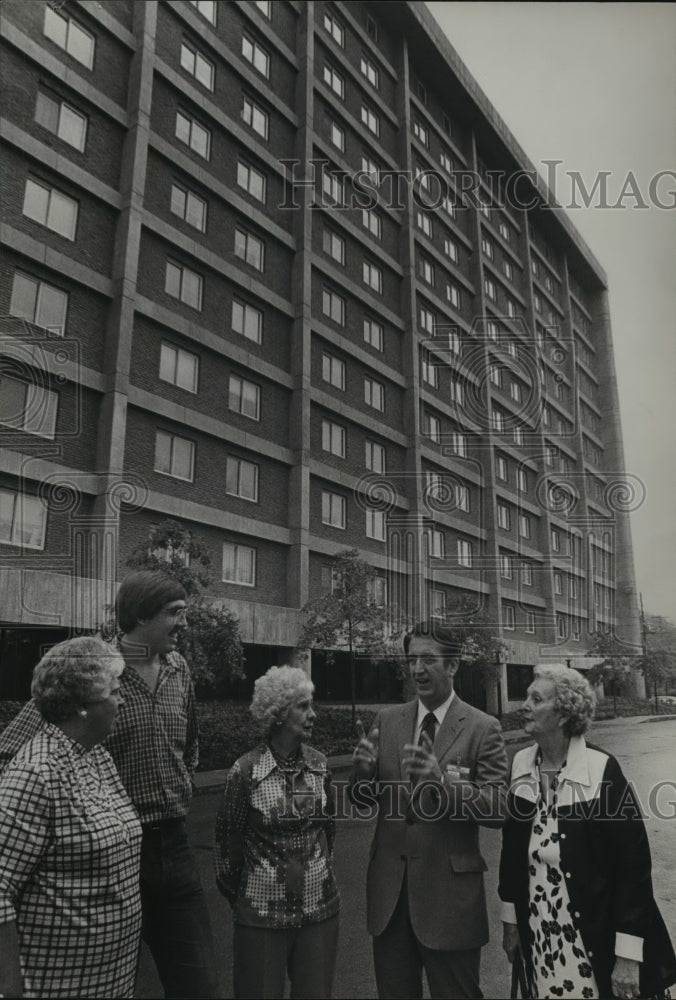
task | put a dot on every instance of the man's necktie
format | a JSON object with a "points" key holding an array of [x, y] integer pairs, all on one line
{"points": [[429, 727]]}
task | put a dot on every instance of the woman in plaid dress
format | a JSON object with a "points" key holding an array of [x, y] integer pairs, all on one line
{"points": [[274, 839], [70, 909]]}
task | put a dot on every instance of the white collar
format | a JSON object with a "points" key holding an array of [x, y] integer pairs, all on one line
{"points": [[576, 769], [439, 712]]}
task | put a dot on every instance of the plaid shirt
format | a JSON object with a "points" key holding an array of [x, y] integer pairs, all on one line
{"points": [[274, 837], [153, 743], [69, 859]]}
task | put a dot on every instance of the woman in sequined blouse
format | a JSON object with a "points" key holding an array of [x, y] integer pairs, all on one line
{"points": [[70, 907], [274, 839], [575, 868]]}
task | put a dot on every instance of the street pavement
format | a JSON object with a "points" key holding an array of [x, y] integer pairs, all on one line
{"points": [[646, 753]]}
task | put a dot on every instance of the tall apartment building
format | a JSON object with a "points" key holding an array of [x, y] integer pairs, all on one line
{"points": [[279, 271]]}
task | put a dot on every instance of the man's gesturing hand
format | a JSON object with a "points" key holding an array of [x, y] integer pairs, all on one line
{"points": [[365, 754], [419, 761]]}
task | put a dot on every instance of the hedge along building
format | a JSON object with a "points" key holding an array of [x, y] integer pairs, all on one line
{"points": [[268, 270]]}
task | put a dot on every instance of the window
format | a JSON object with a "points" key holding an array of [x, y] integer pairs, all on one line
{"points": [[506, 570], [334, 80], [537, 302], [27, 406], [515, 391], [421, 133], [485, 209], [255, 117], [503, 229], [424, 223], [265, 7], [333, 438], [247, 321], [427, 320], [421, 91], [560, 627], [337, 136], [333, 306], [39, 303], [490, 290], [501, 468], [22, 519], [462, 497], [446, 162], [550, 455], [375, 457], [333, 245], [50, 207], [497, 420], [372, 221], [430, 371], [332, 186], [508, 270], [558, 584], [375, 525], [464, 553], [371, 28], [504, 517], [576, 629], [189, 207], [369, 71], [374, 394], [487, 247], [256, 55], [454, 341], [437, 543], [451, 249], [530, 623], [453, 295], [572, 588], [370, 119], [69, 35], [207, 8], [556, 540], [372, 276], [183, 284], [495, 375], [439, 603], [459, 444], [524, 525], [527, 574], [426, 270], [508, 617], [179, 367], [512, 310], [510, 347], [369, 167], [61, 119], [194, 135], [333, 509], [432, 427], [335, 29], [373, 334], [197, 65], [239, 564], [241, 478], [174, 456], [333, 371], [517, 434], [492, 329], [535, 267], [251, 180], [244, 397], [448, 206], [456, 392], [249, 249]]}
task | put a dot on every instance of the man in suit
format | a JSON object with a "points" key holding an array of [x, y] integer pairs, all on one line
{"points": [[437, 768]]}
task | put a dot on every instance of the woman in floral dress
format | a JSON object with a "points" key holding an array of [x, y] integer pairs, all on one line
{"points": [[575, 868]]}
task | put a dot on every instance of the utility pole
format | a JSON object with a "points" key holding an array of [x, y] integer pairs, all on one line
{"points": [[644, 645]]}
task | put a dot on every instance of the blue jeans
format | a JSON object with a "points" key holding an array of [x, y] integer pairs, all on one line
{"points": [[176, 924]]}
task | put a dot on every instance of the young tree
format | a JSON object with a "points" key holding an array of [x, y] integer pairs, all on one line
{"points": [[348, 618], [479, 637], [211, 643]]}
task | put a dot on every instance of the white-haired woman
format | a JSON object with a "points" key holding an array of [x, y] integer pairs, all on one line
{"points": [[70, 840], [575, 867], [274, 838]]}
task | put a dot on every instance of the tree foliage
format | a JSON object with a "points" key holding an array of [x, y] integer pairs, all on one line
{"points": [[348, 618], [479, 637], [211, 643]]}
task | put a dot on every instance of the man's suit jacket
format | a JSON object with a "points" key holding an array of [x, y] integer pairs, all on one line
{"points": [[440, 854]]}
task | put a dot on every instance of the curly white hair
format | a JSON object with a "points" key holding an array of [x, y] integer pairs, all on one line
{"points": [[275, 692], [574, 697]]}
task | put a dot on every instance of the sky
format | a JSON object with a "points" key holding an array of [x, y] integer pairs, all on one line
{"points": [[594, 85]]}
